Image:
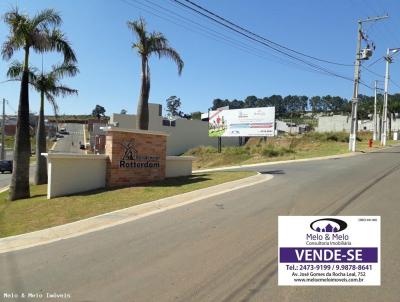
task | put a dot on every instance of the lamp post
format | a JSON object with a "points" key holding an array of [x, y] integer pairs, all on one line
{"points": [[389, 59]]}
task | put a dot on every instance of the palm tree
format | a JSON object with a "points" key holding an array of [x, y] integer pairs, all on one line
{"points": [[146, 45], [48, 85], [28, 34]]}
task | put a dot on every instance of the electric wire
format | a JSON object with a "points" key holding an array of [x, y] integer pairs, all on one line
{"points": [[259, 36], [327, 71], [217, 36]]}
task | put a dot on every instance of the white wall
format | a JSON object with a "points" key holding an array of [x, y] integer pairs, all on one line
{"points": [[178, 166], [185, 135], [74, 173], [337, 123]]}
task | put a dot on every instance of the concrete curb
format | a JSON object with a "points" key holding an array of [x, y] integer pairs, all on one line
{"points": [[118, 217], [279, 162], [4, 189]]}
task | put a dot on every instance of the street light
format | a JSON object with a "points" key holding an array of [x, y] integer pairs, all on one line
{"points": [[389, 59]]}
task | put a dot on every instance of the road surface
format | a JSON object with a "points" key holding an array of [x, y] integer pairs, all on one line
{"points": [[70, 142], [62, 145], [223, 248]]}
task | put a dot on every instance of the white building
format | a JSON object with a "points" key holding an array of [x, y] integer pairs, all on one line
{"points": [[184, 134]]}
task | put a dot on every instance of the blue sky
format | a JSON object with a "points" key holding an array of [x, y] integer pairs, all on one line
{"points": [[110, 69]]}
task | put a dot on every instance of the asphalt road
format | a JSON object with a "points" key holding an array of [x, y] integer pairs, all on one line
{"points": [[70, 142], [223, 248]]}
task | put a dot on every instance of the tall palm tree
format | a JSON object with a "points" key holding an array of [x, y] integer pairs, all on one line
{"points": [[38, 33], [146, 45], [49, 87]]}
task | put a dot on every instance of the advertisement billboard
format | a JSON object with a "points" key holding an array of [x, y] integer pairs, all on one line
{"points": [[242, 122]]}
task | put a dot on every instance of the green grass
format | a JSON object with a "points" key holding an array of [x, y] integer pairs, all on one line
{"points": [[279, 148], [37, 212]]}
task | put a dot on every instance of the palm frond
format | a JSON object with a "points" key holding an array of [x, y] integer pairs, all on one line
{"points": [[40, 41], [15, 19], [171, 53], [16, 70], [65, 69], [63, 91], [60, 43], [46, 17], [138, 27], [9, 47], [52, 102]]}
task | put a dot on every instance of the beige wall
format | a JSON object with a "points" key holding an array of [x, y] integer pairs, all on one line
{"points": [[185, 135], [74, 173], [179, 166]]}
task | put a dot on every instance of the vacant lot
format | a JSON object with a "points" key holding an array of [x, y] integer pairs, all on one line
{"points": [[279, 148]]}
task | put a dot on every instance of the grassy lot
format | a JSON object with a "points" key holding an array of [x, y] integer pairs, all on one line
{"points": [[26, 215], [279, 148]]}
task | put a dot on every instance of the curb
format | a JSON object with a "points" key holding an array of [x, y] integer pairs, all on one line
{"points": [[107, 220], [4, 189], [279, 162]]}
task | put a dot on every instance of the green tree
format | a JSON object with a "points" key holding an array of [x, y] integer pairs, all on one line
{"points": [[218, 103], [123, 111], [250, 102], [173, 105], [146, 45], [98, 111], [49, 87], [196, 115], [38, 33]]}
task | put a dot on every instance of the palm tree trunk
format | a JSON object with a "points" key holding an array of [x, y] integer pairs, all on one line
{"points": [[41, 162], [19, 187], [142, 118]]}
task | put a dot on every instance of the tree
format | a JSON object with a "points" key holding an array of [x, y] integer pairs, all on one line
{"points": [[98, 111], [49, 87], [146, 45], [196, 115], [173, 106], [124, 111], [39, 33], [218, 103], [250, 102]]}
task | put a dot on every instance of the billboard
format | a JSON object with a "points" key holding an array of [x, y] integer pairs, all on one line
{"points": [[242, 122]]}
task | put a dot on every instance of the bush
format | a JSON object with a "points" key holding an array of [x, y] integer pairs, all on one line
{"points": [[270, 152], [201, 150], [235, 151]]}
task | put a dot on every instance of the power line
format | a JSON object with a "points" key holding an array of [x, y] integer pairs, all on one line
{"points": [[327, 71], [394, 83], [376, 61], [258, 36], [310, 66], [373, 72], [217, 36]]}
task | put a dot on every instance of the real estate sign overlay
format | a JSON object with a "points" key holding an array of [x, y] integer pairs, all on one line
{"points": [[242, 122], [329, 250]]}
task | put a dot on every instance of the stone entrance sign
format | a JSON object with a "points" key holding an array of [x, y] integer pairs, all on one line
{"points": [[135, 156]]}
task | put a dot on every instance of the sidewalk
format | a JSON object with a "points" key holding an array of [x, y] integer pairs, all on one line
{"points": [[107, 220]]}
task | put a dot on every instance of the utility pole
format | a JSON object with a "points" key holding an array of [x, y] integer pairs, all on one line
{"points": [[374, 135], [3, 128], [354, 101], [385, 95], [389, 60]]}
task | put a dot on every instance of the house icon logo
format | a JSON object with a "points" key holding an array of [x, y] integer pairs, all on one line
{"points": [[328, 225], [130, 153]]}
